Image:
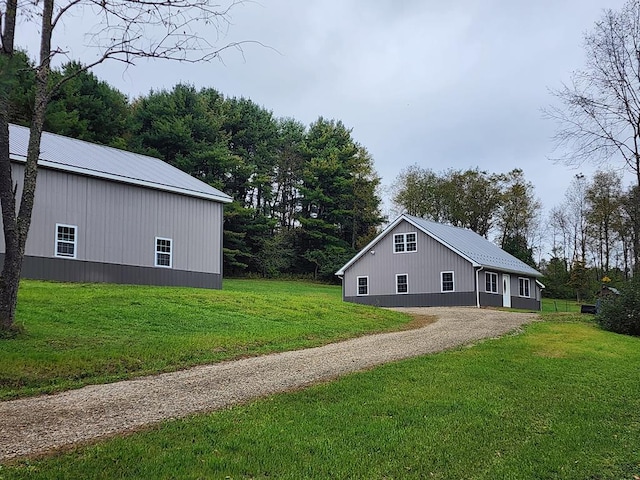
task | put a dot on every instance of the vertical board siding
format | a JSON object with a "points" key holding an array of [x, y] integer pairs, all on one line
{"points": [[117, 223], [423, 266]]}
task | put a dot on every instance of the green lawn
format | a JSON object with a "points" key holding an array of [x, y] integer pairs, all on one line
{"points": [[561, 401], [554, 305], [77, 334]]}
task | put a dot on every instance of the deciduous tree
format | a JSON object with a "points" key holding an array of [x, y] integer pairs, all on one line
{"points": [[603, 197], [124, 31], [598, 114], [518, 215], [417, 191], [599, 111]]}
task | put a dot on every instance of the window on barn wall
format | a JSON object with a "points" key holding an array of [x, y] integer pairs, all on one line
{"points": [[163, 252], [363, 285], [66, 240], [491, 282], [447, 281], [405, 242], [402, 283], [523, 283]]}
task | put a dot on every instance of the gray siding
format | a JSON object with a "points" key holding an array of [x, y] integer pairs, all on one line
{"points": [[423, 267], [118, 223]]}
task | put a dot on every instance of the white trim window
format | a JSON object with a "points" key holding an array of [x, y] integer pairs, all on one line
{"points": [[523, 287], [402, 283], [363, 286], [405, 242], [66, 240], [491, 282], [164, 252], [446, 282]]}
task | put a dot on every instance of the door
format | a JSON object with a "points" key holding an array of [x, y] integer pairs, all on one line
{"points": [[506, 290]]}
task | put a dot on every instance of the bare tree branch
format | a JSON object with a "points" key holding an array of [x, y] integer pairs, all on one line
{"points": [[126, 30], [599, 114]]}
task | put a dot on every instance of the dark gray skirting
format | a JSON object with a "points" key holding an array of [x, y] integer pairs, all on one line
{"points": [[455, 299], [68, 270]]}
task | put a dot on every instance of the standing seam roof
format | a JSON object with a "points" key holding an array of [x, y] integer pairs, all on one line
{"points": [[471, 246], [77, 156], [480, 250]]}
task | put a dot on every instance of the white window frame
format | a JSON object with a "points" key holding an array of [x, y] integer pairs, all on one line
{"points": [[495, 275], [405, 243], [453, 282], [402, 275], [158, 252], [358, 286], [58, 241], [521, 282]]}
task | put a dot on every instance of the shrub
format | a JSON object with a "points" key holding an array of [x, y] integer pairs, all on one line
{"points": [[621, 313]]}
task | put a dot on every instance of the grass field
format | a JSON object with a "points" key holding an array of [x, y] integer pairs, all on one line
{"points": [[553, 305], [560, 401], [76, 334]]}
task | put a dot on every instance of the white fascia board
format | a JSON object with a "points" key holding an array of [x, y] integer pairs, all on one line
{"points": [[441, 242], [371, 244], [128, 180]]}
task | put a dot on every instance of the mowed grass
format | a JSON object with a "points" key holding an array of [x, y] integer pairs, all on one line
{"points": [[554, 305], [560, 401], [76, 334]]}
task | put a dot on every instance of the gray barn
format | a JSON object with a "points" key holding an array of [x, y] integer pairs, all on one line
{"points": [[106, 215], [415, 262]]}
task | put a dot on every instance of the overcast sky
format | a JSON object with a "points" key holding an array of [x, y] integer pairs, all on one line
{"points": [[443, 84]]}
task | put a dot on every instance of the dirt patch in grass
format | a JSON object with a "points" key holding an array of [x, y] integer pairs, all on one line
{"points": [[419, 321]]}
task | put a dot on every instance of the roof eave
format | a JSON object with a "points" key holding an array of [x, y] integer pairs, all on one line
{"points": [[534, 273], [367, 248], [128, 180]]}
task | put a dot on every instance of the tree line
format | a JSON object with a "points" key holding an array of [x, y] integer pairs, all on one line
{"points": [[500, 205], [305, 197], [592, 234]]}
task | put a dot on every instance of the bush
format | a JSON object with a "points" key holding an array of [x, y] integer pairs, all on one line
{"points": [[621, 313]]}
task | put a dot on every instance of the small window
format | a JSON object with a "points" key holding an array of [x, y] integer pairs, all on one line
{"points": [[524, 287], [491, 284], [411, 242], [66, 240], [402, 283], [398, 243], [363, 285], [405, 242], [163, 252], [447, 281]]}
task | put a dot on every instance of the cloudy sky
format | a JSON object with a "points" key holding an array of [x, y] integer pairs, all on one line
{"points": [[454, 84]]}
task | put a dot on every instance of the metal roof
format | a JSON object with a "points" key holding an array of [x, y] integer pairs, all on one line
{"points": [[466, 243], [473, 246], [84, 158]]}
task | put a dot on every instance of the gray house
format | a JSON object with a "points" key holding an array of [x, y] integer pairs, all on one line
{"points": [[106, 215], [415, 262]]}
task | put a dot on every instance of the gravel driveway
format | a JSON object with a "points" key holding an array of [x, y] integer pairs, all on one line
{"points": [[37, 425]]}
